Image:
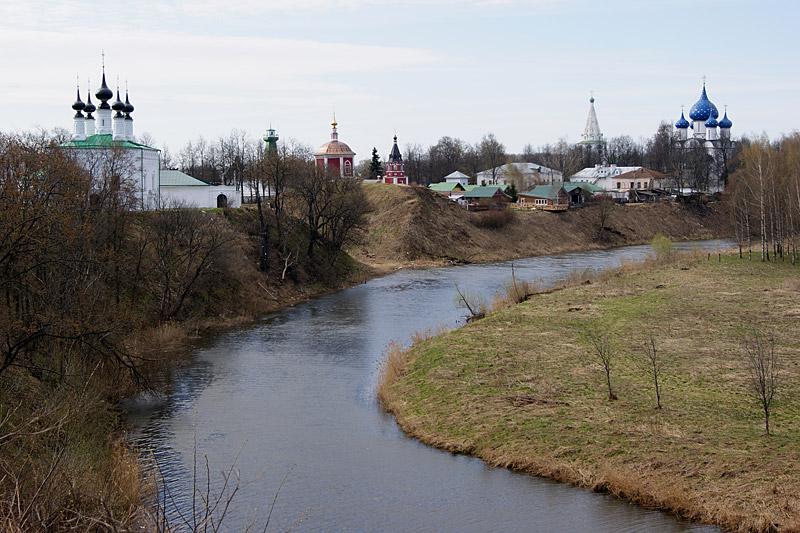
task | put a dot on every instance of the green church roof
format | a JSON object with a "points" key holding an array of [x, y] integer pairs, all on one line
{"points": [[104, 140]]}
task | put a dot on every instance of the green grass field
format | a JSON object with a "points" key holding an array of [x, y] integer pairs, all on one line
{"points": [[523, 389]]}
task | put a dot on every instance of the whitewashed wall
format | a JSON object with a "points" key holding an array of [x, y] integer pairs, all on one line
{"points": [[199, 196]]}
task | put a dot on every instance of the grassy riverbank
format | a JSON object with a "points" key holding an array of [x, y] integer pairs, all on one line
{"points": [[521, 389]]}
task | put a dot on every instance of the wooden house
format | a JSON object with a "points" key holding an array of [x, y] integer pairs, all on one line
{"points": [[580, 193], [545, 197], [453, 190], [483, 198]]}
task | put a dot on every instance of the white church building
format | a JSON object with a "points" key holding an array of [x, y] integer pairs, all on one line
{"points": [[105, 145]]}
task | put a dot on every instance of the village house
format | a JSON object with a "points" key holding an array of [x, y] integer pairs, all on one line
{"points": [[580, 193], [545, 197], [618, 182], [522, 175], [483, 198], [457, 177], [453, 190]]}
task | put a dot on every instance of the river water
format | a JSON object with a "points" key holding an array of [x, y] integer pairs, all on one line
{"points": [[295, 394]]}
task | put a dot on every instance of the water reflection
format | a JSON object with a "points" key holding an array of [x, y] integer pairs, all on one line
{"points": [[297, 392]]}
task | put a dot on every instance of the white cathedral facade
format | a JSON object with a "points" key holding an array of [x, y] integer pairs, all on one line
{"points": [[105, 145]]}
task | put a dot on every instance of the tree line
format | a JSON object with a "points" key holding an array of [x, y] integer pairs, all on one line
{"points": [[765, 197], [690, 165], [83, 271]]}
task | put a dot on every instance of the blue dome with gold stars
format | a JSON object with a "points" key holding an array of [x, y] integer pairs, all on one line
{"points": [[703, 109], [682, 123]]}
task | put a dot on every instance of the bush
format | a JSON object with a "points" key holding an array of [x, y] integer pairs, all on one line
{"points": [[662, 247], [494, 219]]}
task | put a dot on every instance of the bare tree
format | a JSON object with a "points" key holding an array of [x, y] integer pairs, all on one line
{"points": [[603, 349], [188, 244], [492, 153], [759, 351], [605, 206], [654, 366]]}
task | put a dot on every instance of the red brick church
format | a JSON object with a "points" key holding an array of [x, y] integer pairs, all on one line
{"points": [[335, 156], [395, 169]]}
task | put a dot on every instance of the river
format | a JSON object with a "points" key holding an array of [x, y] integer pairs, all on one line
{"points": [[294, 396]]}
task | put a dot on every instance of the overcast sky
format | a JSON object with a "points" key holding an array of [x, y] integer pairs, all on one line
{"points": [[522, 69]]}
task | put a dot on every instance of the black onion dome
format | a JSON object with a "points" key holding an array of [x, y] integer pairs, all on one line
{"points": [[90, 108], [104, 94], [128, 105], [118, 106], [78, 105]]}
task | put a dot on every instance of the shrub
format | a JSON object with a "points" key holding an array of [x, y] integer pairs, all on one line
{"points": [[494, 219], [662, 247]]}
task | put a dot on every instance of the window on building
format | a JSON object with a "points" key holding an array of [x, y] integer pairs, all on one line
{"points": [[619, 185]]}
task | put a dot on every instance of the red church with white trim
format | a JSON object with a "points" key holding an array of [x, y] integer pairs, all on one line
{"points": [[335, 156], [395, 168]]}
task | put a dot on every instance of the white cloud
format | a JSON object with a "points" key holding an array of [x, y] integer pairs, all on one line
{"points": [[186, 84]]}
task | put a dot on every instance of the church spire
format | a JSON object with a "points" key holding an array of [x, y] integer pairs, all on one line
{"points": [[334, 133], [591, 133]]}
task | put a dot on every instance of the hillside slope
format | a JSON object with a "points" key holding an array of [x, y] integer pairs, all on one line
{"points": [[414, 225]]}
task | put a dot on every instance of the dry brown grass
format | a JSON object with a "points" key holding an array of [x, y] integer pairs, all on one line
{"points": [[413, 225], [62, 470], [528, 398], [393, 366], [493, 219]]}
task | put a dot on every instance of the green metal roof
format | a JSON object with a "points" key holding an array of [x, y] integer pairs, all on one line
{"points": [[544, 191], [445, 187], [176, 178], [483, 192], [589, 187], [105, 140], [469, 187]]}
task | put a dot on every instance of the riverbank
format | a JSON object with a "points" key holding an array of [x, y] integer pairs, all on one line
{"points": [[413, 226], [521, 389], [71, 440]]}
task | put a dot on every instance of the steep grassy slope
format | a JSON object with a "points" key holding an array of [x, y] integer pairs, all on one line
{"points": [[412, 224]]}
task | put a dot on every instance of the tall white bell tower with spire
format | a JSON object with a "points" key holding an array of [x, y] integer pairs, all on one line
{"points": [[591, 133]]}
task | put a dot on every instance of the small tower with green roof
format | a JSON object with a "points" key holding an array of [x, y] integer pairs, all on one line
{"points": [[271, 138]]}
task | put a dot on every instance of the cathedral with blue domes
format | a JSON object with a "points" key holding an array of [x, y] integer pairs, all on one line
{"points": [[706, 128], [708, 132]]}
